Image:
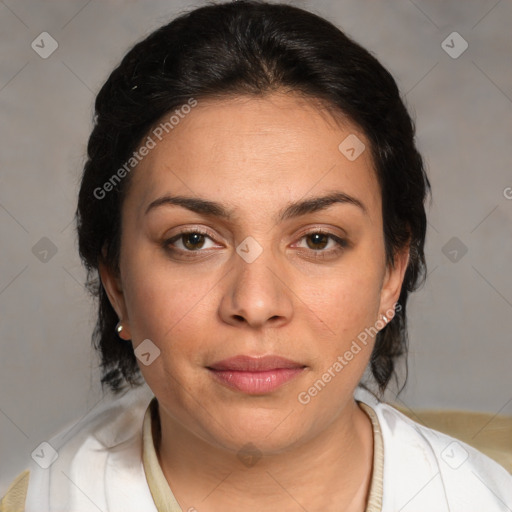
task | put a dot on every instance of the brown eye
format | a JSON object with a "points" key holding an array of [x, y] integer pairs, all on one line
{"points": [[189, 241], [193, 240], [318, 240]]}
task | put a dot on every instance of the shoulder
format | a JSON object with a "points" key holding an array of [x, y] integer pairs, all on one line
{"points": [[81, 467], [425, 469], [14, 499]]}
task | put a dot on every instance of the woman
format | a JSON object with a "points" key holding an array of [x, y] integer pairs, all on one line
{"points": [[253, 203]]}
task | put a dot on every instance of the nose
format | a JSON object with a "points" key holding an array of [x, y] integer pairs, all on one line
{"points": [[257, 293]]}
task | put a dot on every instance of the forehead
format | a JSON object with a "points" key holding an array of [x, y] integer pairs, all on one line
{"points": [[256, 152]]}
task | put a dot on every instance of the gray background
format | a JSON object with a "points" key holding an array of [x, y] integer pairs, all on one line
{"points": [[460, 348]]}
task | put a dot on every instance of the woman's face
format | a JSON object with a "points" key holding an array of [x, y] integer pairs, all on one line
{"points": [[261, 279]]}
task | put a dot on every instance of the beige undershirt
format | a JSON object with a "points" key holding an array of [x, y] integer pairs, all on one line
{"points": [[165, 500]]}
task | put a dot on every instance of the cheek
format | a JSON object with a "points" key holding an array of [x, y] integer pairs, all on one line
{"points": [[173, 313], [164, 304], [164, 311], [347, 300]]}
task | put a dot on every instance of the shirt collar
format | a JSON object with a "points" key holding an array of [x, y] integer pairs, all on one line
{"points": [[164, 498]]}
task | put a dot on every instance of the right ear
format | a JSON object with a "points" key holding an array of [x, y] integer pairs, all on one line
{"points": [[114, 290]]}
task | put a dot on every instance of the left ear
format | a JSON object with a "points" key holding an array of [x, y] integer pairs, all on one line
{"points": [[393, 279]]}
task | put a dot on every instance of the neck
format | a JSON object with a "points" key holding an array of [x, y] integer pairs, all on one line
{"points": [[329, 471]]}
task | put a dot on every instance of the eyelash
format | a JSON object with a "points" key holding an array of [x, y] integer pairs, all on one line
{"points": [[318, 254]]}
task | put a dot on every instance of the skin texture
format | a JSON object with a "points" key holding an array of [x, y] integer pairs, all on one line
{"points": [[255, 156]]}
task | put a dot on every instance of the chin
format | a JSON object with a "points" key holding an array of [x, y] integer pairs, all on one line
{"points": [[263, 428]]}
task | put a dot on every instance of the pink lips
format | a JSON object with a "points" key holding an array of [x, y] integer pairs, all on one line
{"points": [[255, 375]]}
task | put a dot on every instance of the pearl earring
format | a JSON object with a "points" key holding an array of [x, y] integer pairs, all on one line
{"points": [[119, 327]]}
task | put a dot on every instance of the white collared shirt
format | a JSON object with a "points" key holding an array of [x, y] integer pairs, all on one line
{"points": [[103, 464]]}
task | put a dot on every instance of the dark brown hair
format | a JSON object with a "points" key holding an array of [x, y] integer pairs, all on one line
{"points": [[250, 48]]}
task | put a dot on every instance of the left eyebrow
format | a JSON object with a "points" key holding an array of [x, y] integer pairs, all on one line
{"points": [[292, 210], [318, 203]]}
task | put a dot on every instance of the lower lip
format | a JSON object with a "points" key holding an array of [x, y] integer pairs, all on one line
{"points": [[256, 383]]}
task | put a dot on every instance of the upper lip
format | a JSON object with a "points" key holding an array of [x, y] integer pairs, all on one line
{"points": [[249, 363]]}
